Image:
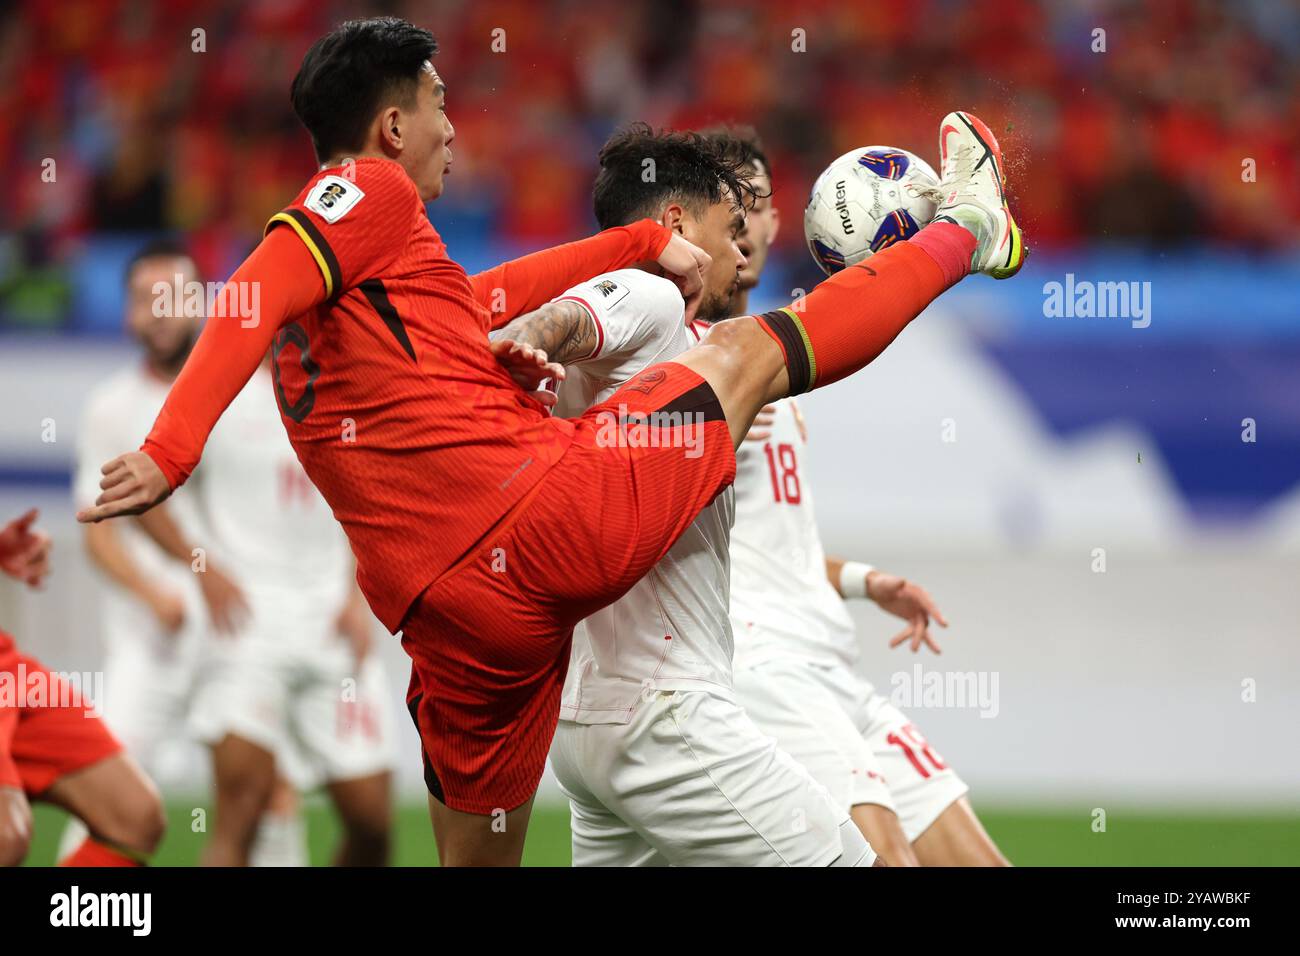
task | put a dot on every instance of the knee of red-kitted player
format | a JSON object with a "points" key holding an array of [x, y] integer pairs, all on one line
{"points": [[743, 351], [15, 838], [141, 825]]}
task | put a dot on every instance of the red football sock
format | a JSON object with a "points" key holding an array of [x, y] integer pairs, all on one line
{"points": [[852, 317], [93, 853]]}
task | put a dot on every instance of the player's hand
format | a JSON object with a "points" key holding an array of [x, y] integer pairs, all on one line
{"points": [[132, 483], [227, 606], [909, 601], [761, 430], [24, 551], [686, 265], [529, 368], [168, 609], [354, 627]]}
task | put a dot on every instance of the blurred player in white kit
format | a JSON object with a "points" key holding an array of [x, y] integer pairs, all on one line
{"points": [[157, 615], [796, 645], [244, 666]]}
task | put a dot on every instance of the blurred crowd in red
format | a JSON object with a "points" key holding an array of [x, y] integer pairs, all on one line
{"points": [[175, 115]]}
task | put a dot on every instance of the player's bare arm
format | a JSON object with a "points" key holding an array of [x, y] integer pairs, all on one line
{"points": [[563, 331], [355, 622], [104, 546], [894, 595], [227, 606], [537, 346]]}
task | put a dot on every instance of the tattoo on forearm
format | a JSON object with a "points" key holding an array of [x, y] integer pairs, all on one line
{"points": [[564, 330]]}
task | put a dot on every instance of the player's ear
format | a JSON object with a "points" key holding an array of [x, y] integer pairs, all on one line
{"points": [[672, 217], [390, 130], [776, 226]]}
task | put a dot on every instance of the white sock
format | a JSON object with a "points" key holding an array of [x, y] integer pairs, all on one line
{"points": [[74, 834], [281, 841]]}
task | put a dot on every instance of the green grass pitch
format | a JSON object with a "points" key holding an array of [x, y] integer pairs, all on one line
{"points": [[1029, 837]]}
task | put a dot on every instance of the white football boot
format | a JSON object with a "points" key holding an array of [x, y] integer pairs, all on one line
{"points": [[971, 178]]}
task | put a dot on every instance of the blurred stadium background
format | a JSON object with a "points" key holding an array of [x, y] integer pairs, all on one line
{"points": [[1125, 691]]}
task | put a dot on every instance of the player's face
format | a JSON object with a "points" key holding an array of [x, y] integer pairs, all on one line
{"points": [[760, 230], [716, 232], [153, 318], [427, 136]]}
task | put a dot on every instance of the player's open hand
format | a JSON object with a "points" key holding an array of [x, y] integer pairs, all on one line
{"points": [[227, 606], [132, 484], [529, 367], [168, 609], [761, 430], [686, 265], [25, 551], [909, 601]]}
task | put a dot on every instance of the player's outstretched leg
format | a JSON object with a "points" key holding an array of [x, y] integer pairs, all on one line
{"points": [[849, 319]]}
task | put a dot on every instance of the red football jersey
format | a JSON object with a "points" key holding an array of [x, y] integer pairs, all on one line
{"points": [[411, 429], [416, 436]]}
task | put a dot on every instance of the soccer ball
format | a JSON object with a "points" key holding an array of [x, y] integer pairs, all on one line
{"points": [[865, 201]]}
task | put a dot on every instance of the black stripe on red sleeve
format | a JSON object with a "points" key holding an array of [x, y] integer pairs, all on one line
{"points": [[796, 352], [331, 260], [377, 295]]}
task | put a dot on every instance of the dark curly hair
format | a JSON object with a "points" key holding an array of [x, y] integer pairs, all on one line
{"points": [[642, 170], [740, 142]]}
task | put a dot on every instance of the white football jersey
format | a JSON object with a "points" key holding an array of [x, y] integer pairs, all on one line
{"points": [[268, 524], [671, 631], [116, 417], [640, 320], [781, 600]]}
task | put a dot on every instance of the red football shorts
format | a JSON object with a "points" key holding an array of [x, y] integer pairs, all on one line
{"points": [[46, 729], [489, 640]]}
